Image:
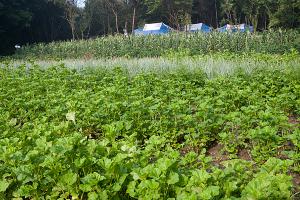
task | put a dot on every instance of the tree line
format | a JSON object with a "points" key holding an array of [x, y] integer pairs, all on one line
{"points": [[32, 21]]}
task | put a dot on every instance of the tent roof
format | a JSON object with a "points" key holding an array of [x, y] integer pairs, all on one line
{"points": [[236, 28], [155, 26], [196, 26], [228, 26], [152, 27], [242, 26], [139, 29]]}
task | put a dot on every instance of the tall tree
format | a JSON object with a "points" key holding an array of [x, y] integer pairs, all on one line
{"points": [[286, 14], [71, 13], [177, 12], [228, 8], [115, 6], [205, 11], [84, 23], [135, 4], [252, 9], [15, 17]]}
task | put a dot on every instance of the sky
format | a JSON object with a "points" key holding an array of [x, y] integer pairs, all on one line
{"points": [[81, 3]]}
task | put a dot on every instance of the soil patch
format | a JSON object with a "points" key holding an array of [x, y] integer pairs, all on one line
{"points": [[187, 149], [296, 182], [217, 153], [287, 146], [294, 120], [296, 179], [244, 154]]}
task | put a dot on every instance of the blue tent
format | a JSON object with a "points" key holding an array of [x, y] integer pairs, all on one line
{"points": [[245, 28], [227, 28], [156, 29], [198, 27], [236, 28], [138, 31]]}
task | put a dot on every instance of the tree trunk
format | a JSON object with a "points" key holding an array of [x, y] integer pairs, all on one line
{"points": [[70, 15], [126, 28], [116, 20], [217, 23], [82, 35], [117, 26], [254, 21], [88, 33], [108, 24], [72, 30], [133, 20], [265, 20]]}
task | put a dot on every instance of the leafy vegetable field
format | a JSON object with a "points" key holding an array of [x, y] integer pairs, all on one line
{"points": [[102, 134]]}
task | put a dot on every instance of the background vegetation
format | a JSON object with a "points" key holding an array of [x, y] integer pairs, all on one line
{"points": [[32, 21], [274, 42]]}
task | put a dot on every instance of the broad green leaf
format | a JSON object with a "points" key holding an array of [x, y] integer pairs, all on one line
{"points": [[70, 116], [131, 188], [13, 122], [93, 196], [4, 185], [92, 179], [173, 178], [69, 178]]}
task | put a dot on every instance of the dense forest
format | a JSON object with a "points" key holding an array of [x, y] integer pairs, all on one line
{"points": [[32, 21]]}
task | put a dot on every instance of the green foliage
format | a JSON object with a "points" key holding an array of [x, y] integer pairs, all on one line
{"points": [[97, 134], [286, 14], [151, 46], [34, 21], [31, 21]]}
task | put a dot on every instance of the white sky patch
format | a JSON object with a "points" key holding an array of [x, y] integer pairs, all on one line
{"points": [[81, 3]]}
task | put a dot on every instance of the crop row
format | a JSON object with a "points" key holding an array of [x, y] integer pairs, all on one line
{"points": [[212, 65], [152, 46], [99, 134]]}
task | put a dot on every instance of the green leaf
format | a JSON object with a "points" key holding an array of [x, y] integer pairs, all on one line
{"points": [[13, 122], [92, 179], [118, 185], [71, 116], [4, 185], [69, 178], [131, 188], [210, 192], [103, 195], [93, 196], [173, 178], [85, 187], [153, 185], [135, 176]]}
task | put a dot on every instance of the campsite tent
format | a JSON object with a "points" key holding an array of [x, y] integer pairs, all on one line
{"points": [[236, 28], [244, 28], [227, 28], [198, 27], [156, 29], [138, 31]]}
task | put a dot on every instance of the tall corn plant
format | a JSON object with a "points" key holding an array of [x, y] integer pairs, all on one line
{"points": [[276, 42]]}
